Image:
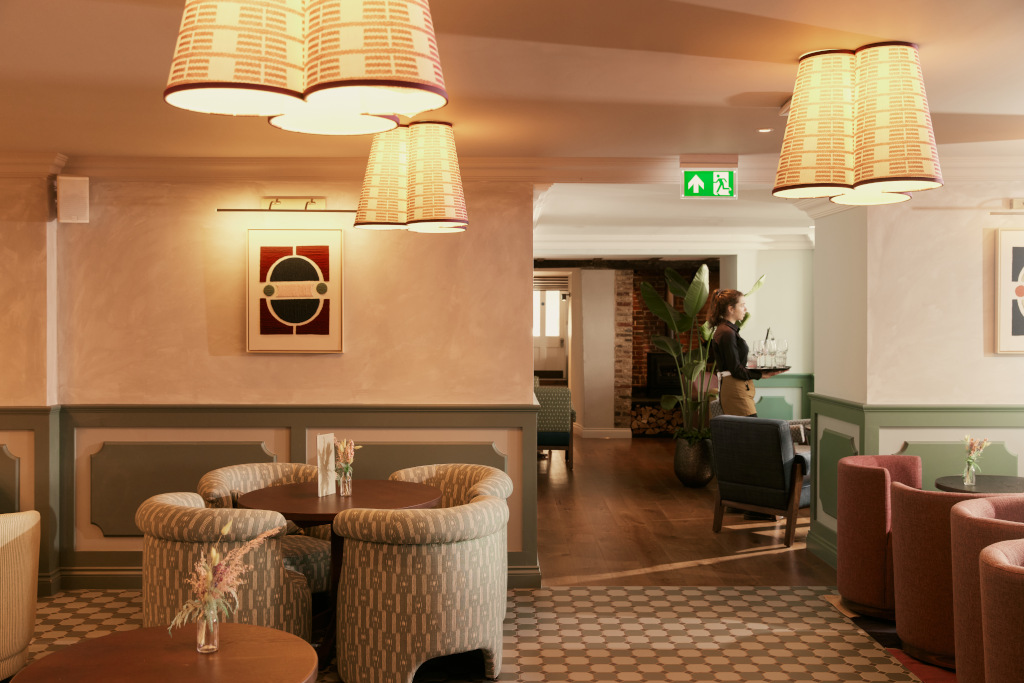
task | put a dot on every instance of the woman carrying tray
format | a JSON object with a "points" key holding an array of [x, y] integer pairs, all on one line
{"points": [[729, 350]]}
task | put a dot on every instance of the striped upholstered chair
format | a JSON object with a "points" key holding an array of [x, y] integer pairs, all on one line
{"points": [[309, 552], [177, 528], [419, 584], [19, 576]]}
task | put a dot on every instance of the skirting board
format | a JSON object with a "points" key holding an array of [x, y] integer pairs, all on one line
{"points": [[602, 433]]}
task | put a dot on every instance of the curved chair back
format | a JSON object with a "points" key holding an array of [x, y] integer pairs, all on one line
{"points": [[864, 535], [459, 482], [442, 589], [221, 487], [976, 524], [1002, 610], [923, 573], [178, 529], [19, 569]]}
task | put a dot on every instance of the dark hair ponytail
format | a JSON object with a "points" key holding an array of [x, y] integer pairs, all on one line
{"points": [[721, 300]]}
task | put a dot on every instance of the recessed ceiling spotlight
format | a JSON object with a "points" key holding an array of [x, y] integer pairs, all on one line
{"points": [[765, 130]]}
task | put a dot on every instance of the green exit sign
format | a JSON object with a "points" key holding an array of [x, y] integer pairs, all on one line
{"points": [[714, 183]]}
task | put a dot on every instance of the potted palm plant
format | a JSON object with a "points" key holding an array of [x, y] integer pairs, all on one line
{"points": [[695, 369]]}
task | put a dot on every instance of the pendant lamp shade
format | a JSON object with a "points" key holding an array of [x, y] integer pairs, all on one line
{"points": [[307, 118], [867, 198], [383, 200], [238, 57], [436, 201], [372, 57], [895, 144], [818, 147]]}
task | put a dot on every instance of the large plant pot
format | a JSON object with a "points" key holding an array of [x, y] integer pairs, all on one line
{"points": [[693, 463]]}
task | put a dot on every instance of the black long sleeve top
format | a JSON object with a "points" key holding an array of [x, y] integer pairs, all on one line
{"points": [[731, 352]]}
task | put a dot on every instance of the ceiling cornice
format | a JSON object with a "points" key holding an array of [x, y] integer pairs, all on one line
{"points": [[31, 164]]}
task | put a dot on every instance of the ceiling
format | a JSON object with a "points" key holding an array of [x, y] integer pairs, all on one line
{"points": [[537, 78]]}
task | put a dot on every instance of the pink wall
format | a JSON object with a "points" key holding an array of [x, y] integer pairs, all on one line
{"points": [[152, 302]]}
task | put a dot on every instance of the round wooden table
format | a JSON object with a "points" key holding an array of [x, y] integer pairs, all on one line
{"points": [[247, 653], [301, 504], [984, 483]]}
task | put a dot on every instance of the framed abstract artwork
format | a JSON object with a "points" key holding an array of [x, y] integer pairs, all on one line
{"points": [[1009, 302], [294, 291]]}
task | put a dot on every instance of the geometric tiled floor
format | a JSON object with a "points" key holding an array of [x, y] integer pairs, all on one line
{"points": [[577, 634]]}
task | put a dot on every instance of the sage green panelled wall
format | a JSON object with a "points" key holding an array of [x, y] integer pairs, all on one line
{"points": [[935, 433], [785, 396], [65, 441]]}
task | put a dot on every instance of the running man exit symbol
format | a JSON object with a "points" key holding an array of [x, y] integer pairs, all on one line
{"points": [[709, 183]]}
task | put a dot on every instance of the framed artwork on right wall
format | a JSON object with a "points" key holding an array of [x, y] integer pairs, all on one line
{"points": [[1009, 303]]}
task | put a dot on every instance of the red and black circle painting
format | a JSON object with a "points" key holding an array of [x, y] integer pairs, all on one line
{"points": [[295, 298]]}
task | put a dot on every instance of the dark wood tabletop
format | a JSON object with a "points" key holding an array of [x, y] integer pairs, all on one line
{"points": [[300, 503], [247, 653], [984, 483]]}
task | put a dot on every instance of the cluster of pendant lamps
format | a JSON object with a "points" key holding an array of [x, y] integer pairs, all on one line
{"points": [[333, 67], [859, 131]]}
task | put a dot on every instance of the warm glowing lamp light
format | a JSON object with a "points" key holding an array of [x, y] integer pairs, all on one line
{"points": [[436, 201], [238, 58], [895, 145], [817, 148], [373, 57], [328, 67], [383, 200], [859, 130]]}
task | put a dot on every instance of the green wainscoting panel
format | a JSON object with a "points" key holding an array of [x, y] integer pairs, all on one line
{"points": [[802, 381], [10, 481], [379, 460], [774, 407], [947, 458], [134, 471], [832, 447]]}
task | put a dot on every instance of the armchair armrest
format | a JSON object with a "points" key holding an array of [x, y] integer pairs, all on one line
{"points": [[483, 516]]}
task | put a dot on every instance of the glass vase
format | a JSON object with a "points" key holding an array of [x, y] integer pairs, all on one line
{"points": [[969, 474], [208, 633], [345, 483]]}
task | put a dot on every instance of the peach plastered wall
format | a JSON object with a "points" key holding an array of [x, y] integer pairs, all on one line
{"points": [[24, 217], [151, 300]]}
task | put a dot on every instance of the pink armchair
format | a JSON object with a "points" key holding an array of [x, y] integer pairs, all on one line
{"points": [[864, 529], [1002, 610], [975, 525], [923, 573]]}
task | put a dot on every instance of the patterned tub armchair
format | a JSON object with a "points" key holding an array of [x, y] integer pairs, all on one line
{"points": [[177, 528], [19, 569], [308, 553], [554, 420], [419, 584]]}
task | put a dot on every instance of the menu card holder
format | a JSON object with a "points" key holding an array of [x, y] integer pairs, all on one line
{"points": [[325, 479]]}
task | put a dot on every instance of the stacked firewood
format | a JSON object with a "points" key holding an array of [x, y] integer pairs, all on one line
{"points": [[653, 420]]}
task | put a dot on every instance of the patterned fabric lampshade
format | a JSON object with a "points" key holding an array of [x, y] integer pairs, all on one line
{"points": [[436, 201], [383, 200], [895, 144], [817, 149], [375, 57], [236, 57]]}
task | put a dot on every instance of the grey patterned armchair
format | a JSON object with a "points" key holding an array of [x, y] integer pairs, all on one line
{"points": [[419, 584], [177, 528], [309, 553], [554, 420], [19, 569]]}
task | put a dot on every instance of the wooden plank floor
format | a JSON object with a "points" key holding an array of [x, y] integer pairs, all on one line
{"points": [[621, 518]]}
